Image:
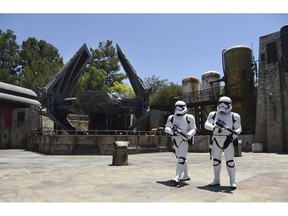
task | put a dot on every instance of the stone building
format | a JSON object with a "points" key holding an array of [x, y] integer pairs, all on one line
{"points": [[18, 116], [15, 124], [272, 94]]}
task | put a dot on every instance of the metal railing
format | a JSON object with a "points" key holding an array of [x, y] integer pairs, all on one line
{"points": [[203, 95], [51, 132], [211, 94]]}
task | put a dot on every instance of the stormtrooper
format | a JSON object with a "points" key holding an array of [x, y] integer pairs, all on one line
{"points": [[226, 127], [182, 127]]}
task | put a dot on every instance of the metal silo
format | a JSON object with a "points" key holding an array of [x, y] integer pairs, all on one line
{"points": [[210, 85], [237, 68], [239, 84], [190, 89], [210, 91], [191, 93]]}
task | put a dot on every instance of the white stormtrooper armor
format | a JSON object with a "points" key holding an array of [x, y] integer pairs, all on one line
{"points": [[223, 139], [182, 127]]}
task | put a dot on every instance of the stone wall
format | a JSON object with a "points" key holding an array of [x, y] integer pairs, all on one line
{"points": [[103, 145], [272, 105], [23, 121], [99, 144]]}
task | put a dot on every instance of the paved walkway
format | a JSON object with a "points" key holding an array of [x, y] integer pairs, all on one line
{"points": [[31, 177]]}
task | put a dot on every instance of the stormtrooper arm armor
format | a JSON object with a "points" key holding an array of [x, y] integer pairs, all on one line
{"points": [[191, 132], [169, 130], [192, 125], [169, 125], [237, 124], [209, 124]]}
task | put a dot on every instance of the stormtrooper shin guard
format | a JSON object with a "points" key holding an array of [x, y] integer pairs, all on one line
{"points": [[230, 164], [179, 169], [231, 170], [217, 170], [186, 176]]}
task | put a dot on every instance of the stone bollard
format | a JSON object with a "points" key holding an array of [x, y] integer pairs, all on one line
{"points": [[120, 153]]}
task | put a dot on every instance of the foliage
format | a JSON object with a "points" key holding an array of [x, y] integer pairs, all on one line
{"points": [[165, 93], [122, 90], [93, 78], [105, 58], [40, 61], [32, 65], [154, 83], [9, 57], [5, 76], [162, 91]]}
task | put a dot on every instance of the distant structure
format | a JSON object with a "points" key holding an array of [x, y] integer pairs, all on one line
{"points": [[201, 97], [210, 85], [105, 111], [191, 89], [239, 84], [272, 95]]}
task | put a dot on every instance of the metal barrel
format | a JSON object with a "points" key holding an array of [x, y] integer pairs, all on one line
{"points": [[210, 88], [239, 75], [237, 66], [190, 89]]}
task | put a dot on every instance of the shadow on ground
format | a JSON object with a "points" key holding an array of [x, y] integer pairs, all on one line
{"points": [[217, 189], [170, 183]]}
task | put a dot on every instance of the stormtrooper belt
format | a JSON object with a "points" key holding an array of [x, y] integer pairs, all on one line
{"points": [[227, 142]]}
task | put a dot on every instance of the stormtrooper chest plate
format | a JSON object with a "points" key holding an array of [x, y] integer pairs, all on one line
{"points": [[182, 123]]}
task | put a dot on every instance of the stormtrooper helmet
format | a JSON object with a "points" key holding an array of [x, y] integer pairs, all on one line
{"points": [[224, 105], [180, 108]]}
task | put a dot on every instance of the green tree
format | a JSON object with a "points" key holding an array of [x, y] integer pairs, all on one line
{"points": [[40, 61], [92, 79], [170, 91], [105, 58], [122, 90], [165, 93], [155, 83], [162, 91], [9, 57]]}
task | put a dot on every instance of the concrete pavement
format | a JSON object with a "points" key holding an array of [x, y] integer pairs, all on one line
{"points": [[32, 177]]}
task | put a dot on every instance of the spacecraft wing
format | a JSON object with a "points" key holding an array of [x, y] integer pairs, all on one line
{"points": [[137, 84], [63, 82]]}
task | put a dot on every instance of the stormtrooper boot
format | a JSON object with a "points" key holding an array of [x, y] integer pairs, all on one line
{"points": [[233, 185], [231, 173], [216, 181], [186, 176], [179, 170]]}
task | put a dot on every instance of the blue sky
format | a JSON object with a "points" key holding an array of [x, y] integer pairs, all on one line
{"points": [[168, 45]]}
